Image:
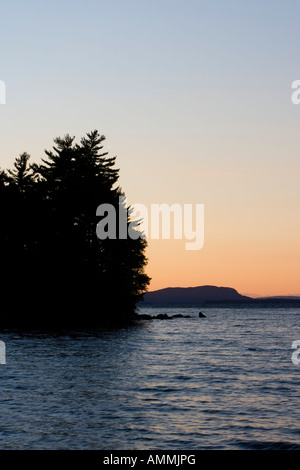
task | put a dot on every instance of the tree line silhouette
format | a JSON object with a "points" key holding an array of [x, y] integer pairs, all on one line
{"points": [[55, 270]]}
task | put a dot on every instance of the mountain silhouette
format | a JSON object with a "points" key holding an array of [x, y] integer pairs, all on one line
{"points": [[194, 295]]}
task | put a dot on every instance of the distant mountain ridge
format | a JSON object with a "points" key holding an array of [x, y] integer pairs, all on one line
{"points": [[192, 295], [205, 295]]}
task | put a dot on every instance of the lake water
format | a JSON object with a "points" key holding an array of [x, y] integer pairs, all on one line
{"points": [[223, 382]]}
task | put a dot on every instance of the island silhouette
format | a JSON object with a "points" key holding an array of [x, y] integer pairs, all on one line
{"points": [[208, 295], [56, 272]]}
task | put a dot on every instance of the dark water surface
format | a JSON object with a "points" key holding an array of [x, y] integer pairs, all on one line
{"points": [[223, 382]]}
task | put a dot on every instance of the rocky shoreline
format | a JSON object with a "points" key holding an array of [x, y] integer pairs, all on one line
{"points": [[164, 316], [161, 316]]}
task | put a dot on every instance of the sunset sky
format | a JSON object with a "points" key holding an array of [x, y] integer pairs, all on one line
{"points": [[194, 98]]}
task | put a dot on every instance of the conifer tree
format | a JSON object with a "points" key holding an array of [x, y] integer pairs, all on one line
{"points": [[67, 275]]}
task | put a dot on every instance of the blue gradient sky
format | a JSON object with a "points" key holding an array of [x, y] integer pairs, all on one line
{"points": [[194, 98]]}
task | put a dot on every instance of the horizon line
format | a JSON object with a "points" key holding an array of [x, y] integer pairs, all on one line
{"points": [[228, 287]]}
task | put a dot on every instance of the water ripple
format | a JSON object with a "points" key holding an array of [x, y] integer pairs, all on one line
{"points": [[226, 383]]}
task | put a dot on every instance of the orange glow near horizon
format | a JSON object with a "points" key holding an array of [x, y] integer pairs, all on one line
{"points": [[246, 254], [250, 191], [256, 272]]}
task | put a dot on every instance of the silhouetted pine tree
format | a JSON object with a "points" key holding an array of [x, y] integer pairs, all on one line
{"points": [[68, 275], [21, 175], [17, 221]]}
